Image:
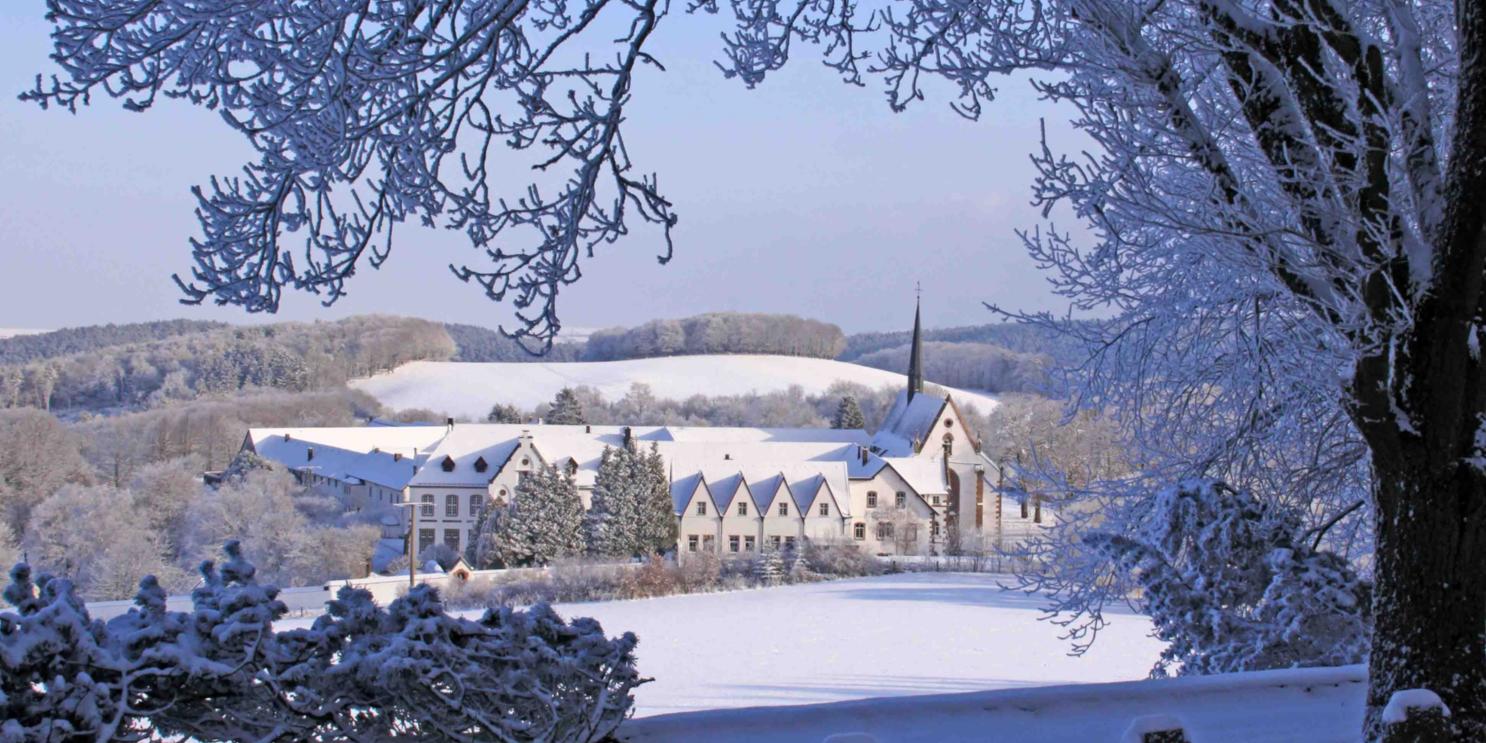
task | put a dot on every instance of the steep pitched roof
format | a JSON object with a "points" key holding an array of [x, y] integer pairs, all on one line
{"points": [[909, 420]]}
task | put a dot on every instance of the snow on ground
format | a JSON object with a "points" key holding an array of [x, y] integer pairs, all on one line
{"points": [[465, 389], [1315, 705], [894, 635], [13, 332]]}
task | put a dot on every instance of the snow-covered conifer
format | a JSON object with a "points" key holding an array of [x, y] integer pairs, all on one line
{"points": [[657, 512], [849, 414], [612, 524], [1231, 585], [769, 568], [543, 523], [566, 410]]}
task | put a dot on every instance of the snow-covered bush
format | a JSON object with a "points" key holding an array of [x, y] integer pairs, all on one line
{"points": [[1232, 585], [769, 568], [221, 671]]}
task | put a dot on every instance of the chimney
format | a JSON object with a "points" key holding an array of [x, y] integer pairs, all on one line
{"points": [[727, 456], [449, 422], [862, 452], [309, 454], [286, 437], [588, 429]]}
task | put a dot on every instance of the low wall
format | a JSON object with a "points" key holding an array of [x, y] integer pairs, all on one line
{"points": [[1316, 705]]}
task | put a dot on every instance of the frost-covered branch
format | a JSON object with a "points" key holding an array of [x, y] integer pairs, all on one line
{"points": [[368, 115]]}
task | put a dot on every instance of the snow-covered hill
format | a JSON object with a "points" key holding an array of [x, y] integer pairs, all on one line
{"points": [[470, 389]]}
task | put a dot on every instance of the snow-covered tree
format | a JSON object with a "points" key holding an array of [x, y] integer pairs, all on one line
{"points": [[612, 524], [769, 568], [1283, 201], [849, 414], [544, 522], [92, 535], [503, 413], [1232, 585], [366, 117], [565, 409], [658, 526]]}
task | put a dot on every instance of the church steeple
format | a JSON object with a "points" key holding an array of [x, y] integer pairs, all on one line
{"points": [[916, 356]]}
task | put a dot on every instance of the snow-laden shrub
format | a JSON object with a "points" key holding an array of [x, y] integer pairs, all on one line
{"points": [[221, 671], [1232, 585]]}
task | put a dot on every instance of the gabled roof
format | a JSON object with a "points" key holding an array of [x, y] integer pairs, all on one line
{"points": [[907, 422], [685, 488]]}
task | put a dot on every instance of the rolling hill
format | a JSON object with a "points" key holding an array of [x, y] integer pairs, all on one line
{"points": [[470, 389]]}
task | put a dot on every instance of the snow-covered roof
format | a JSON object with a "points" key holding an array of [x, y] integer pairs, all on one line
{"points": [[348, 454], [908, 421], [925, 476]]}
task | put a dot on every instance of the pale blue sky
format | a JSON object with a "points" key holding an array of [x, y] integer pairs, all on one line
{"points": [[804, 196]]}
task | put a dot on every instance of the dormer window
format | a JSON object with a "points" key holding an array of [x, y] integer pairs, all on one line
{"points": [[447, 464], [481, 465]]}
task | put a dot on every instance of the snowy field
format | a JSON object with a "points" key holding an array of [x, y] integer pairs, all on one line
{"points": [[1308, 705], [13, 332], [470, 389], [893, 635]]}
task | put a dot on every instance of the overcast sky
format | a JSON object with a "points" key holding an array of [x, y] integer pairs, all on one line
{"points": [[805, 196]]}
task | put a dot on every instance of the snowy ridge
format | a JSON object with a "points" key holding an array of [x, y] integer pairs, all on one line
{"points": [[469, 390], [1319, 705]]}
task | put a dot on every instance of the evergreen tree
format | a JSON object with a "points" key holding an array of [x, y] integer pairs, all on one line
{"points": [[768, 567], [566, 410], [503, 413], [849, 414], [612, 524], [658, 528], [543, 523]]}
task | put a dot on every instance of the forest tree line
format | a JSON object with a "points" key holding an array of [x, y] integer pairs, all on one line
{"points": [[290, 357]]}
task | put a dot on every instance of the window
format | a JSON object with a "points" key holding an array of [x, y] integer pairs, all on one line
{"points": [[859, 530], [425, 511], [701, 508], [871, 498], [825, 509], [451, 538], [783, 508], [708, 543], [884, 530], [425, 539], [901, 499], [789, 544], [742, 508], [451, 506], [733, 543], [691, 543], [933, 529], [774, 541], [910, 532], [948, 423], [935, 500], [750, 544], [477, 504]]}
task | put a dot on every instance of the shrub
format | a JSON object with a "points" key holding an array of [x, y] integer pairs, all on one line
{"points": [[361, 672]]}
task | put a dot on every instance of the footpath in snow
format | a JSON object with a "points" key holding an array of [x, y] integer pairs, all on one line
{"points": [[892, 635]]}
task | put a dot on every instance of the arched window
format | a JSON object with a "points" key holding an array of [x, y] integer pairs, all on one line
{"points": [[871, 498]]}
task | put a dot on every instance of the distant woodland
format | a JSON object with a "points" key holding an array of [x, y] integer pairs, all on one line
{"points": [[718, 332]]}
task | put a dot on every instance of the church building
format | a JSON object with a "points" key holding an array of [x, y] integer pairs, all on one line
{"points": [[920, 484]]}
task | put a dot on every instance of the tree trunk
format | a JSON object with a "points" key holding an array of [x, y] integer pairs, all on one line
{"points": [[1430, 603]]}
